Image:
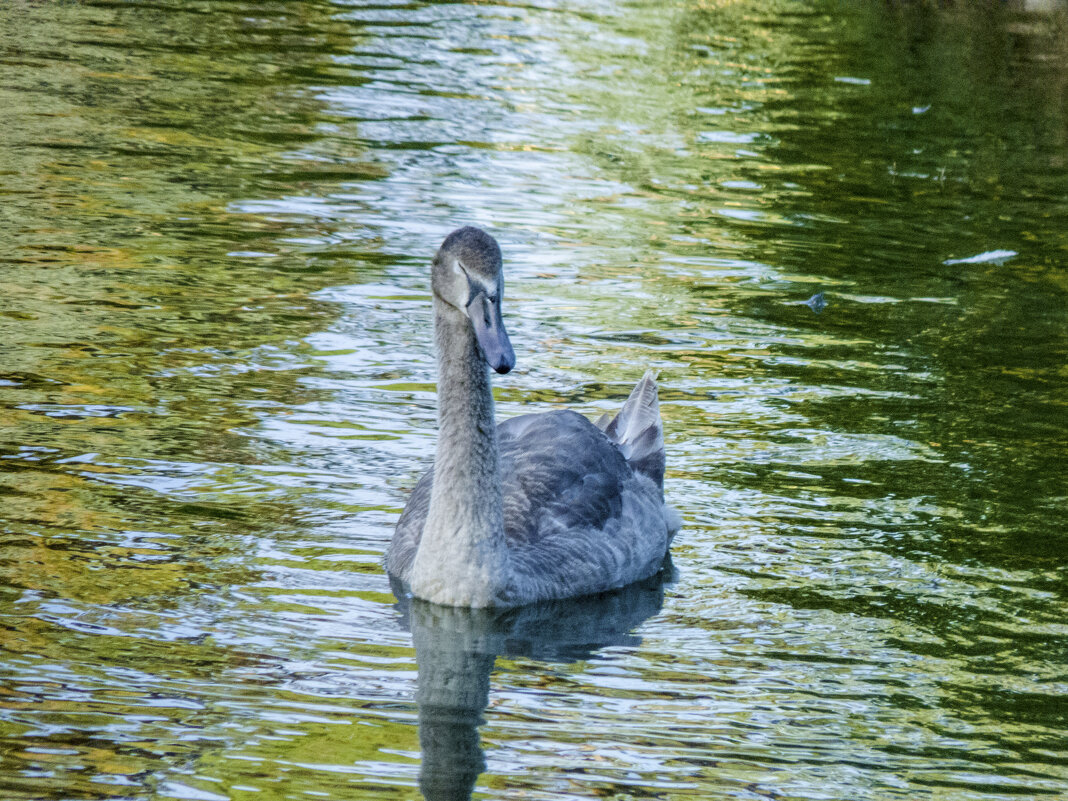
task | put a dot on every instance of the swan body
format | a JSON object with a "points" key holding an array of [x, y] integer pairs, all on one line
{"points": [[542, 506]]}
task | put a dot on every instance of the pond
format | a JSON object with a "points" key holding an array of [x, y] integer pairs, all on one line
{"points": [[218, 387]]}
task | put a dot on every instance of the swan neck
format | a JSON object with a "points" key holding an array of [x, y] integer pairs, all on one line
{"points": [[462, 560], [465, 400]]}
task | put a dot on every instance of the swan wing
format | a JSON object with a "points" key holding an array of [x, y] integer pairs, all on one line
{"points": [[578, 517], [558, 469], [405, 542]]}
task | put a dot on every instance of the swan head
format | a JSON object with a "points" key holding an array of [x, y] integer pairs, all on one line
{"points": [[467, 275]]}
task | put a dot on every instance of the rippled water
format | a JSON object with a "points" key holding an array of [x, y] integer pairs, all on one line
{"points": [[217, 387]]}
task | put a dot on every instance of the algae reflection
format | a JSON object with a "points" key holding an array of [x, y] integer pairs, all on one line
{"points": [[149, 322]]}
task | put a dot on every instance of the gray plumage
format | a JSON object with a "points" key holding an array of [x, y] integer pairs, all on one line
{"points": [[542, 506]]}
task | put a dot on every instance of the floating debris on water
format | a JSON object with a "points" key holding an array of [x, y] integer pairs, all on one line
{"points": [[990, 257], [817, 302]]}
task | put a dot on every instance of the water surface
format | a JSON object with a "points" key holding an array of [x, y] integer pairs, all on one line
{"points": [[217, 388]]}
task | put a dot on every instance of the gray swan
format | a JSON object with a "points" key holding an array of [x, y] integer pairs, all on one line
{"points": [[543, 506]]}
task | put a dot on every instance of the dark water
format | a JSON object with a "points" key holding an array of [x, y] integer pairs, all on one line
{"points": [[216, 388]]}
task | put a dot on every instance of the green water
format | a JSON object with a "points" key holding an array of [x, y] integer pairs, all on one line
{"points": [[217, 388]]}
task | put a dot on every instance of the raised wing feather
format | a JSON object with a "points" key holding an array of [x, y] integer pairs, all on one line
{"points": [[637, 430]]}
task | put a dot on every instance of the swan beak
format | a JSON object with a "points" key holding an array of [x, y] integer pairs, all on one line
{"points": [[485, 316]]}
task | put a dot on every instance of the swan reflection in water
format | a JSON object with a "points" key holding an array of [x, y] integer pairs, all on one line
{"points": [[456, 648]]}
